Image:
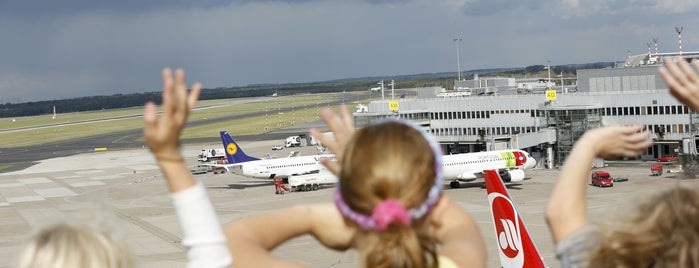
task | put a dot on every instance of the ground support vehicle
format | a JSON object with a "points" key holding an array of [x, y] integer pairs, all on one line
{"points": [[311, 182], [656, 170], [601, 178]]}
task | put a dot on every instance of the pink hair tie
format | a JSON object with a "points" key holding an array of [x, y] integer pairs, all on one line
{"points": [[388, 211]]}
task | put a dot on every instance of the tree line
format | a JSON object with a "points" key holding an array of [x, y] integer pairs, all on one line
{"points": [[94, 103]]}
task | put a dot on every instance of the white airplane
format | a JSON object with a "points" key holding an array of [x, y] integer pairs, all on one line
{"points": [[515, 246], [375, 89], [510, 164], [240, 163]]}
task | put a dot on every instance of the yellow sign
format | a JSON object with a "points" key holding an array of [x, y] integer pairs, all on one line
{"points": [[393, 105], [231, 149], [550, 95]]}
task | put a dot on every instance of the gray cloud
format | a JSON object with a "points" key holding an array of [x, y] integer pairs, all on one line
{"points": [[104, 50]]}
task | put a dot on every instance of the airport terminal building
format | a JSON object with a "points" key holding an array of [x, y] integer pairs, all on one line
{"points": [[496, 113]]}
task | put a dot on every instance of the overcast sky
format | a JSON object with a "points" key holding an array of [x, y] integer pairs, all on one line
{"points": [[72, 48]]}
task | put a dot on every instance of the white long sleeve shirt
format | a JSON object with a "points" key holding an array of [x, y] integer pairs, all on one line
{"points": [[202, 233]]}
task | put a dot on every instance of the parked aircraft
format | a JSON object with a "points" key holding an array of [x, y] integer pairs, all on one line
{"points": [[515, 246], [469, 166], [240, 163], [375, 89]]}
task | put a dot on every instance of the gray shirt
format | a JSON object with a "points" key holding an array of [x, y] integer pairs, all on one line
{"points": [[575, 250]]}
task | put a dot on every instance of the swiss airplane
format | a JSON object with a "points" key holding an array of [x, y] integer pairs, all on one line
{"points": [[469, 166], [515, 247], [240, 163]]}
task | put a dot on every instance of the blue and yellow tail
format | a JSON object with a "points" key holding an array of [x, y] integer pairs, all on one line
{"points": [[234, 153]]}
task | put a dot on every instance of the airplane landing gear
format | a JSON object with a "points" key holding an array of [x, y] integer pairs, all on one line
{"points": [[454, 184]]}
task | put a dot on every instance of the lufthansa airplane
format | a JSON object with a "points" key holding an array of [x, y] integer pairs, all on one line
{"points": [[242, 164]]}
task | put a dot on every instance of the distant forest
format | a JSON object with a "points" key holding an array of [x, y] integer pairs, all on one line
{"points": [[445, 80]]}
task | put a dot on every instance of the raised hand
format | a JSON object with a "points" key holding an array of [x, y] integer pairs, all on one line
{"points": [[162, 134], [682, 80], [614, 141], [342, 127]]}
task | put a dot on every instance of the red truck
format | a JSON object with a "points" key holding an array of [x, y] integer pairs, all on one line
{"points": [[602, 179]]}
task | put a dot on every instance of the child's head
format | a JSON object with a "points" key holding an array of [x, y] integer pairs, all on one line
{"points": [[661, 232], [390, 180], [73, 245]]}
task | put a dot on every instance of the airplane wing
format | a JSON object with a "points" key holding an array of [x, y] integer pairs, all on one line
{"points": [[227, 167], [515, 246]]}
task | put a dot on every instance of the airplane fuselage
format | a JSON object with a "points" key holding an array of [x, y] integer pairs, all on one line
{"points": [[469, 166], [279, 167]]}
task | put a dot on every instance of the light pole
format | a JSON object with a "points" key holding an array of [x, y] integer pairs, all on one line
{"points": [[548, 66], [678, 29], [561, 76], [392, 84], [458, 60], [381, 83]]}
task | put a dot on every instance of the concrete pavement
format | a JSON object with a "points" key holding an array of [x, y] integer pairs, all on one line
{"points": [[125, 190]]}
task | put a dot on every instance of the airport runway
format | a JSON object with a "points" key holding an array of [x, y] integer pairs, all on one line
{"points": [[26, 156], [125, 189]]}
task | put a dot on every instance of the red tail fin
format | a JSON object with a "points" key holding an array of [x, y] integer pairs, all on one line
{"points": [[515, 246]]}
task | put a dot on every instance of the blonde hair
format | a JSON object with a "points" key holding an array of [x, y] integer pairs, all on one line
{"points": [[662, 232], [391, 161], [74, 245]]}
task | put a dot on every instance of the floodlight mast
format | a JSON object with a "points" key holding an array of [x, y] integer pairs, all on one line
{"points": [[381, 83], [678, 29], [548, 67], [392, 84], [458, 59]]}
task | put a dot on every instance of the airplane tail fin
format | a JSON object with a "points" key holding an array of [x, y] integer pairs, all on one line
{"points": [[234, 153], [515, 246]]}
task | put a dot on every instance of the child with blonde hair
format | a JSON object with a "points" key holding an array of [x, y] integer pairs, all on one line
{"points": [[74, 245]]}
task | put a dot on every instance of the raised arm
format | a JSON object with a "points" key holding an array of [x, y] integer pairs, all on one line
{"points": [[682, 80], [202, 233], [565, 212], [163, 134]]}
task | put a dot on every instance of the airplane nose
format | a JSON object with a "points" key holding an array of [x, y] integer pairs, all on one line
{"points": [[531, 162]]}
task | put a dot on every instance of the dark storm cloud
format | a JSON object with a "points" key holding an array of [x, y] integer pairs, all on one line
{"points": [[82, 48]]}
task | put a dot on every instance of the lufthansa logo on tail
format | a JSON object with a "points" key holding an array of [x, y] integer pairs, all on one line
{"points": [[507, 230], [231, 149]]}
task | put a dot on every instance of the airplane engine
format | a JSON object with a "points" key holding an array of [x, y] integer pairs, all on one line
{"points": [[513, 175], [466, 176]]}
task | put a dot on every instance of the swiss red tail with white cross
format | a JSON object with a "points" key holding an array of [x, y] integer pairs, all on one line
{"points": [[515, 246]]}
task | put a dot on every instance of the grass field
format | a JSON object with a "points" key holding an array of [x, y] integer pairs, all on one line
{"points": [[45, 129]]}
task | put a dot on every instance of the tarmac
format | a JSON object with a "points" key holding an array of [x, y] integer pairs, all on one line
{"points": [[125, 190]]}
